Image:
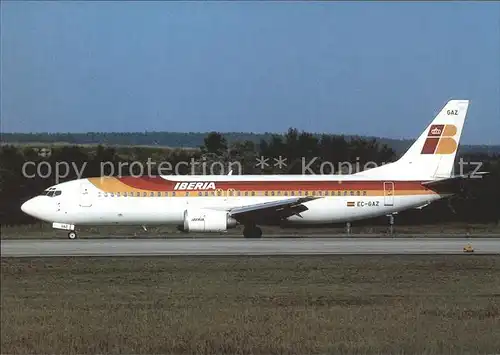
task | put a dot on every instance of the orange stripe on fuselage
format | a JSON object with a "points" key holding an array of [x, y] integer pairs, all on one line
{"points": [[112, 185]]}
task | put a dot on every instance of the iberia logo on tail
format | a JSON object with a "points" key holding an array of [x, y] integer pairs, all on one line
{"points": [[440, 140]]}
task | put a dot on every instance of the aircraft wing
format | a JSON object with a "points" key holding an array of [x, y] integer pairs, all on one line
{"points": [[267, 211]]}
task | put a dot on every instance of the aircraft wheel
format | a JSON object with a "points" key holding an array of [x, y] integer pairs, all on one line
{"points": [[72, 235], [252, 232]]}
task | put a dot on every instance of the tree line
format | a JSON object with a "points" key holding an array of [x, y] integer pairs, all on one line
{"points": [[26, 170], [190, 139]]}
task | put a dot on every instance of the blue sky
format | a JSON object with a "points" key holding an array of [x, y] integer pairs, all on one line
{"points": [[382, 69]]}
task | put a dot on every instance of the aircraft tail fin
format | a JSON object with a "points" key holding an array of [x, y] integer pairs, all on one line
{"points": [[432, 155]]}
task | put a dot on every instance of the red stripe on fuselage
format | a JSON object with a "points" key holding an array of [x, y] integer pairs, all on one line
{"points": [[159, 184]]}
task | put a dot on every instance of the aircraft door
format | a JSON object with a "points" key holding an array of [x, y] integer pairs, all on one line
{"points": [[85, 194], [388, 194]]}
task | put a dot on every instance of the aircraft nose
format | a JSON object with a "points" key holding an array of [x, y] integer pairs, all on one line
{"points": [[29, 207]]}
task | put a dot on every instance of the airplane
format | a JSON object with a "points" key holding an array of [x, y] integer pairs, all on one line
{"points": [[217, 203]]}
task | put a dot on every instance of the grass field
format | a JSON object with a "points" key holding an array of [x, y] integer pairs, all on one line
{"points": [[252, 305]]}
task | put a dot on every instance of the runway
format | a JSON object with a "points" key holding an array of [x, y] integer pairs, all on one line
{"points": [[226, 246]]}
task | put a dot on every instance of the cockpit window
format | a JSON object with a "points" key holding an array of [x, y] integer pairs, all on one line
{"points": [[51, 192]]}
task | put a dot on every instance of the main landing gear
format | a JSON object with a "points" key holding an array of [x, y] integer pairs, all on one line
{"points": [[391, 222], [252, 231], [72, 235]]}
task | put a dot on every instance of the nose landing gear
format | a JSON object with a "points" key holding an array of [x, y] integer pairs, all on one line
{"points": [[65, 226]]}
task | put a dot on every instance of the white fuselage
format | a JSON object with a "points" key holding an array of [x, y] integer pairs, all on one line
{"points": [[84, 203]]}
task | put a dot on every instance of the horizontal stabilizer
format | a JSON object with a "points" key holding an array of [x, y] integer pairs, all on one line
{"points": [[452, 184], [423, 206]]}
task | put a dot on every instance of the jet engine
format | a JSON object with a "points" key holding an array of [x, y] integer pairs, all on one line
{"points": [[205, 220]]}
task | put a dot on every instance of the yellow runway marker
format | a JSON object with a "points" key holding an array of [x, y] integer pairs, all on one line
{"points": [[468, 248]]}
